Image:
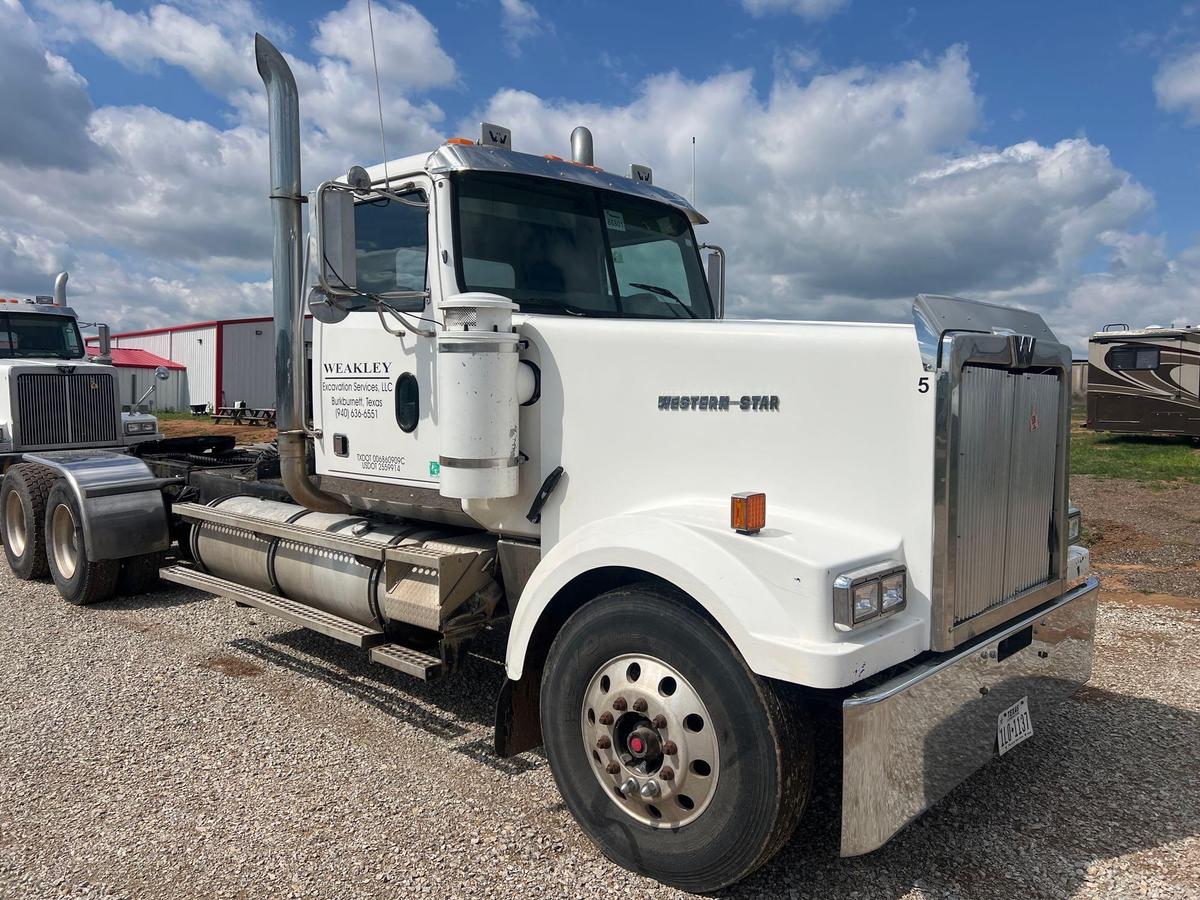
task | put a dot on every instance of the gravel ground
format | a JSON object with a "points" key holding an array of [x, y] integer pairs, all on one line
{"points": [[174, 745]]}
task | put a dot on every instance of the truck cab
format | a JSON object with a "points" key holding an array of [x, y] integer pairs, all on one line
{"points": [[52, 396]]}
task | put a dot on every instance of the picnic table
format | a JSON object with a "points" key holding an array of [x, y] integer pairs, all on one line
{"points": [[245, 415]]}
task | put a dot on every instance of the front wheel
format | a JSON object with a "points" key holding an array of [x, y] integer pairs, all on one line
{"points": [[80, 579], [676, 760]]}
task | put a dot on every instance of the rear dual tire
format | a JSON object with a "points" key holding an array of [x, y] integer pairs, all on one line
{"points": [[22, 516], [80, 579], [754, 746]]}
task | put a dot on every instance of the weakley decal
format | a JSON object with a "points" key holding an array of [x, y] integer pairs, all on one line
{"points": [[719, 402]]}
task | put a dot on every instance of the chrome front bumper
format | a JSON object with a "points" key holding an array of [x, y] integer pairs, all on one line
{"points": [[907, 742]]}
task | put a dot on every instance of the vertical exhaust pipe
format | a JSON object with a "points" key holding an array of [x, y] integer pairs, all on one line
{"points": [[283, 111], [60, 289], [581, 146]]}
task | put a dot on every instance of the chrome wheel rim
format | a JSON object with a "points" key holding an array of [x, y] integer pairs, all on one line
{"points": [[650, 741], [14, 524], [65, 545]]}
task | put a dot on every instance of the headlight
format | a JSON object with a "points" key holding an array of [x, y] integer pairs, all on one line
{"points": [[1074, 524], [141, 427], [868, 593]]}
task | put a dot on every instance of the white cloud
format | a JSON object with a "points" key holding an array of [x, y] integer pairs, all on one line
{"points": [[812, 10], [1177, 85], [44, 104], [410, 55], [162, 33], [847, 195], [837, 195], [159, 218], [521, 22]]}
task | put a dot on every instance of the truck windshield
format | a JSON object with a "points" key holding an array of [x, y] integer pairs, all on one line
{"points": [[555, 247], [28, 335]]}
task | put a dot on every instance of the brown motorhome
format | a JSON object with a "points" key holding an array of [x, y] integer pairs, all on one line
{"points": [[1144, 381]]}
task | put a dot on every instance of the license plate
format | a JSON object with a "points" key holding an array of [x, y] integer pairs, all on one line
{"points": [[1013, 726]]}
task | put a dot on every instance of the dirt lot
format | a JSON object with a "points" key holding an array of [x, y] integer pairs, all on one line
{"points": [[173, 745], [179, 426]]}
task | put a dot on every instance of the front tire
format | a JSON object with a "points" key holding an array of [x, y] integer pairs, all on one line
{"points": [[676, 760], [22, 512], [80, 579]]}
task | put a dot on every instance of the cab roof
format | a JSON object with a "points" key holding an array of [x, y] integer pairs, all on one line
{"points": [[455, 157]]}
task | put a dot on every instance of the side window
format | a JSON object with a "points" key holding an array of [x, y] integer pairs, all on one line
{"points": [[391, 245], [1133, 357]]}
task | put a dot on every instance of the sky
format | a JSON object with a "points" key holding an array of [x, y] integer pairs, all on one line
{"points": [[850, 153]]}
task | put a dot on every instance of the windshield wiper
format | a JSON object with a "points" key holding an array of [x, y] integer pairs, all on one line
{"points": [[535, 302], [663, 292]]}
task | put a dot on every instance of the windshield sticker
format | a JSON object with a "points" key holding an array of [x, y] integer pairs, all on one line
{"points": [[614, 220]]}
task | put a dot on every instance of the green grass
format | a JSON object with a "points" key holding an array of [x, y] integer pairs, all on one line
{"points": [[1138, 458]]}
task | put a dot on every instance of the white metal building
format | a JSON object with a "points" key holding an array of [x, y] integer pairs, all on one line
{"points": [[226, 359]]}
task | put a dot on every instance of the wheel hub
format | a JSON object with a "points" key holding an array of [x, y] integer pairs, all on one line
{"points": [[14, 523], [651, 741], [65, 547]]}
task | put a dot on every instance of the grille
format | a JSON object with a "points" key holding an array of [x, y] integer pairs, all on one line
{"points": [[66, 409], [1008, 430]]}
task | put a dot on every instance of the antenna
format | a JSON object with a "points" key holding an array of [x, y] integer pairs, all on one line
{"points": [[693, 170], [378, 94]]}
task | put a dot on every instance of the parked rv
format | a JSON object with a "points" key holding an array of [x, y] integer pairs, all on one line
{"points": [[1144, 381], [713, 562]]}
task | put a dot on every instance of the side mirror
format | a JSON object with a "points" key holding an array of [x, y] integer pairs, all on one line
{"points": [[716, 277], [333, 227], [105, 342], [162, 373]]}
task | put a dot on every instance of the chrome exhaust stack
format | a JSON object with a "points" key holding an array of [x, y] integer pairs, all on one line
{"points": [[581, 146], [60, 289], [283, 111]]}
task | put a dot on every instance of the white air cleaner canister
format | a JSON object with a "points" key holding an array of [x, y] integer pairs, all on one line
{"points": [[477, 397]]}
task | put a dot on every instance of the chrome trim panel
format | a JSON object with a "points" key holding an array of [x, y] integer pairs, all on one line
{"points": [[1005, 486], [963, 487], [495, 462], [907, 742], [115, 525], [469, 157], [480, 347], [518, 559]]}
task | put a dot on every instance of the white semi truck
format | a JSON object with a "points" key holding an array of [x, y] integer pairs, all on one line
{"points": [[730, 556]]}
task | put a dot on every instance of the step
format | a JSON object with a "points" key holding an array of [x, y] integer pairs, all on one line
{"points": [[289, 610], [265, 528], [407, 660]]}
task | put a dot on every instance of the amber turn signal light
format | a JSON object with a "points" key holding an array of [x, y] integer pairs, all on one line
{"points": [[748, 512]]}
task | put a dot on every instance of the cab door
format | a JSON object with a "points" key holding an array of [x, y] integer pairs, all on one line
{"points": [[373, 375]]}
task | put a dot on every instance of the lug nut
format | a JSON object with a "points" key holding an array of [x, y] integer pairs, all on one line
{"points": [[614, 768], [620, 705], [628, 787], [666, 773], [669, 748], [606, 718], [639, 705], [649, 790], [660, 722], [604, 743]]}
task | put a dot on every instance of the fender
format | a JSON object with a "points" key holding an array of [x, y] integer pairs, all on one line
{"points": [[770, 592], [121, 500]]}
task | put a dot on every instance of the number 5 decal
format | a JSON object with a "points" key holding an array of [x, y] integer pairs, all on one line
{"points": [[923, 384]]}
